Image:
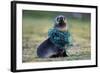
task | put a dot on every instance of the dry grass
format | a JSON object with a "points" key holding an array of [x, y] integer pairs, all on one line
{"points": [[35, 31]]}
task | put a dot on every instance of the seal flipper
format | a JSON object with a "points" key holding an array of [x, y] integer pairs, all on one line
{"points": [[46, 49]]}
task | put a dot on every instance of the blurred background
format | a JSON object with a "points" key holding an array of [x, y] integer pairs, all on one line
{"points": [[35, 26]]}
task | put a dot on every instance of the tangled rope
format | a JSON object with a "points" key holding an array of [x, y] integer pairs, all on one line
{"points": [[60, 38]]}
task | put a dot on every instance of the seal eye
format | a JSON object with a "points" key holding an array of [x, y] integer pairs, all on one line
{"points": [[57, 19], [63, 18]]}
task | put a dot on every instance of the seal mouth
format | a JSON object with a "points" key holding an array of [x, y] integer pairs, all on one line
{"points": [[62, 25]]}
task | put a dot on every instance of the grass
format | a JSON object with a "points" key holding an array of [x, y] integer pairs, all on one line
{"points": [[35, 31]]}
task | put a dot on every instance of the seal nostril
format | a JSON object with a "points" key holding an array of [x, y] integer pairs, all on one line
{"points": [[61, 18]]}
